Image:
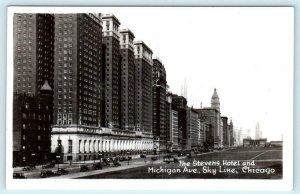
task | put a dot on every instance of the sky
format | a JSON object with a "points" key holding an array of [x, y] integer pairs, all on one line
{"points": [[245, 53]]}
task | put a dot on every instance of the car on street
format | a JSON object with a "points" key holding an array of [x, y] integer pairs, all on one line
{"points": [[28, 168], [116, 163], [154, 158], [47, 173], [84, 168], [168, 159], [97, 166], [61, 171], [19, 175]]}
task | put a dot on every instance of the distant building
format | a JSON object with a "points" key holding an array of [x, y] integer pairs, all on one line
{"points": [[276, 143], [225, 131], [168, 105], [231, 134], [179, 104], [211, 117], [258, 132], [193, 129], [159, 104], [248, 142], [33, 87], [174, 130]]}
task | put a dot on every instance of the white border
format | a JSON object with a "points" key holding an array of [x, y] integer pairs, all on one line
{"points": [[285, 184]]}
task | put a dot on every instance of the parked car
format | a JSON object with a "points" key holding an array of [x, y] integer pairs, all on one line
{"points": [[180, 154], [116, 163], [47, 173], [62, 171], [28, 168], [49, 165], [143, 155], [19, 175], [122, 158], [84, 168], [104, 162], [129, 158], [168, 159], [97, 166], [154, 158]]}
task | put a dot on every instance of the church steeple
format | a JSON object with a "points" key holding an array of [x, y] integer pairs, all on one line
{"points": [[215, 102]]}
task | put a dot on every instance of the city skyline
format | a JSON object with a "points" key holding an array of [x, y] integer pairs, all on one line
{"points": [[256, 44], [93, 92]]}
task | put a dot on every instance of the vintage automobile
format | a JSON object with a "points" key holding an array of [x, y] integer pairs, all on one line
{"points": [[154, 158], [47, 173], [116, 163], [28, 168], [105, 162], [169, 158], [49, 165], [19, 175], [61, 171], [97, 166], [84, 168]]}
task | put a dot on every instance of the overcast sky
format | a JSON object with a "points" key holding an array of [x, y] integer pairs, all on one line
{"points": [[246, 53]]}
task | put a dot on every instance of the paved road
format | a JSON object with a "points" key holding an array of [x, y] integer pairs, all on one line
{"points": [[260, 163], [205, 165]]}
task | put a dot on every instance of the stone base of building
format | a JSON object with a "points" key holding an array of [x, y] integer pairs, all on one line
{"points": [[80, 143]]}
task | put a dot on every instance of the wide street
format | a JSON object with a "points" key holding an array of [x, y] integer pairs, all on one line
{"points": [[268, 160], [231, 163]]}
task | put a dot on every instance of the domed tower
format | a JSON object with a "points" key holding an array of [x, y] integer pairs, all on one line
{"points": [[215, 102]]}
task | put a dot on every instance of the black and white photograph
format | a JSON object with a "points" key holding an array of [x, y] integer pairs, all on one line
{"points": [[166, 93]]}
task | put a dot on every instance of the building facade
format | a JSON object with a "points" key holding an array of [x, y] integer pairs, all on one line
{"points": [[33, 84], [79, 132], [144, 98], [179, 104], [127, 80], [159, 104], [174, 131], [231, 139], [218, 133], [225, 131], [77, 97], [258, 132], [112, 68], [210, 117], [193, 129], [248, 142]]}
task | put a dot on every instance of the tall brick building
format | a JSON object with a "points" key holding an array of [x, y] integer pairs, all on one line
{"points": [[78, 46], [33, 87], [179, 104], [143, 87], [127, 80], [159, 104], [112, 68]]}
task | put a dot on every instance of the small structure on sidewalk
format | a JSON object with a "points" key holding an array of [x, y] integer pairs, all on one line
{"points": [[248, 142]]}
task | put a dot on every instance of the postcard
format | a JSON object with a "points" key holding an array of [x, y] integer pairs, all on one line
{"points": [[151, 97]]}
